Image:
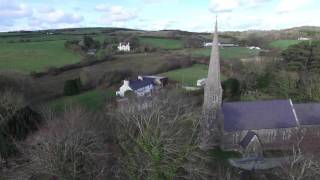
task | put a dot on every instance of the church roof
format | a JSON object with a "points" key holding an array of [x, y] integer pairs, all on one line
{"points": [[247, 139], [308, 114], [239, 116]]}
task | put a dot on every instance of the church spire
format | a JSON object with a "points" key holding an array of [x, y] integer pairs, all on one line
{"points": [[212, 125]]}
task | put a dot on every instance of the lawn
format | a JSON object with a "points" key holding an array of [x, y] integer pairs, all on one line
{"points": [[35, 56], [225, 53], [162, 43], [92, 100], [283, 44], [189, 76]]}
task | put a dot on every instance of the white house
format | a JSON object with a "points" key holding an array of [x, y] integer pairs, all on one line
{"points": [[201, 82], [220, 44], [253, 47], [142, 86], [303, 39], [124, 47]]}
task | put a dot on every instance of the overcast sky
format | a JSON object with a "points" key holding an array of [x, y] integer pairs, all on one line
{"points": [[191, 15]]}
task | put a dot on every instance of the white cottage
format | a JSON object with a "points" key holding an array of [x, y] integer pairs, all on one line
{"points": [[124, 47], [143, 86]]}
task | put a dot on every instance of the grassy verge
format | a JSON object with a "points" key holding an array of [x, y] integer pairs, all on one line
{"points": [[189, 76], [223, 156], [93, 100]]}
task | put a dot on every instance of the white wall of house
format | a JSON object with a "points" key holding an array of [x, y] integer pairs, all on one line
{"points": [[124, 47], [124, 88], [201, 82]]}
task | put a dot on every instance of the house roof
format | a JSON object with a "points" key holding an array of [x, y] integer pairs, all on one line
{"points": [[256, 115], [308, 114], [155, 77], [137, 84], [247, 139]]}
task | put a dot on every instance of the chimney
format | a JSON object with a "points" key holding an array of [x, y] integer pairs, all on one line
{"points": [[126, 82]]}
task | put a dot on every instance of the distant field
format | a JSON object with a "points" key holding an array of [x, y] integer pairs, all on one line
{"points": [[225, 53], [189, 76], [92, 100], [283, 44], [162, 43], [35, 56]]}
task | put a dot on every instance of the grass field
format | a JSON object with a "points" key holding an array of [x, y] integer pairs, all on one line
{"points": [[225, 53], [283, 44], [189, 76], [35, 56], [162, 43], [92, 100]]}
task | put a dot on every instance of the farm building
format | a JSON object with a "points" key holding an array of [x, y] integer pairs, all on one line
{"points": [[142, 86], [251, 127]]}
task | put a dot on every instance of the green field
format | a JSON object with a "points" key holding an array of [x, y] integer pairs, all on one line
{"points": [[35, 56], [162, 43], [189, 76], [92, 100], [225, 53], [283, 44]]}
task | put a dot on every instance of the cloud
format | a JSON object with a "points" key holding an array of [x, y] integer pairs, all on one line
{"points": [[218, 6], [290, 5], [115, 14], [58, 17], [11, 9]]}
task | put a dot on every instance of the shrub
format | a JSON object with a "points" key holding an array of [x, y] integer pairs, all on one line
{"points": [[72, 87], [231, 89], [16, 122]]}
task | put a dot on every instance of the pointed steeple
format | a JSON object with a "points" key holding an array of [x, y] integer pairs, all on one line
{"points": [[212, 125]]}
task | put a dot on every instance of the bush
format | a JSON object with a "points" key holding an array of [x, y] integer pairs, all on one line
{"points": [[16, 122], [72, 87], [231, 89]]}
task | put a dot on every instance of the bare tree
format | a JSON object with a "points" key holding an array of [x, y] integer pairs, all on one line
{"points": [[69, 148], [159, 139], [300, 165]]}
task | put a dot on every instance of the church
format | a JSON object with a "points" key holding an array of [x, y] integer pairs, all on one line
{"points": [[254, 126]]}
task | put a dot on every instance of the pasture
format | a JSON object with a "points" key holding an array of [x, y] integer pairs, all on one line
{"points": [[283, 44], [225, 53], [35, 56], [162, 43], [92, 100], [189, 76]]}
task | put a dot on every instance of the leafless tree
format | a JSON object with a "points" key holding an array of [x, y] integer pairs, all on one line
{"points": [[159, 139], [69, 148], [300, 165]]}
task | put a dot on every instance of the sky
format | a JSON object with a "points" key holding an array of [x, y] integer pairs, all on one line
{"points": [[190, 15]]}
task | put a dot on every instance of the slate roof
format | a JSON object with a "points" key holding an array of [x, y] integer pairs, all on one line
{"points": [[239, 116], [137, 84], [308, 114], [247, 139]]}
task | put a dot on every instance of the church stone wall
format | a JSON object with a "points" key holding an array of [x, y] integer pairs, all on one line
{"points": [[270, 138]]}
